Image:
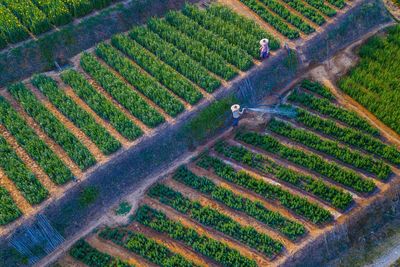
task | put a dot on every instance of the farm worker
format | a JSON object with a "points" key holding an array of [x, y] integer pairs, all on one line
{"points": [[264, 48], [236, 113]]}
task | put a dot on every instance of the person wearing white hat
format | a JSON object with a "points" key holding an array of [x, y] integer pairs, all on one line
{"points": [[236, 113], [264, 48]]}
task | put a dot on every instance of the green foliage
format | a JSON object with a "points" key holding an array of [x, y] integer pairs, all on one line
{"points": [[213, 218], [56, 11], [374, 81], [320, 5], [117, 88], [272, 19], [175, 58], [337, 3], [317, 88], [309, 160], [123, 208], [196, 50], [354, 158], [145, 247], [101, 105], [11, 30], [144, 83], [317, 187], [349, 136], [165, 74], [230, 52], [80, 117], [211, 248], [306, 11], [256, 210], [8, 209], [52, 126], [92, 257], [33, 145], [25, 181], [88, 196]]}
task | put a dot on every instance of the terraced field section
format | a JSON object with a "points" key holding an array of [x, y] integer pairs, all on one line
{"points": [[56, 126], [20, 19], [256, 197]]}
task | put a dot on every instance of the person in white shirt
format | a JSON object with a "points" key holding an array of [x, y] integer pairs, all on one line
{"points": [[236, 113], [264, 48]]}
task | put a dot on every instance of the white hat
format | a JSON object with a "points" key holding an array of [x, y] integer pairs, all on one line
{"points": [[264, 41], [235, 107]]}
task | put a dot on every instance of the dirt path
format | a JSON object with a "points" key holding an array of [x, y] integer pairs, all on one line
{"points": [[116, 251], [211, 233]]}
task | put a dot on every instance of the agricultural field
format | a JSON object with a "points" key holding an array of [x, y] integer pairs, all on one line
{"points": [[21, 19], [57, 126], [255, 197]]}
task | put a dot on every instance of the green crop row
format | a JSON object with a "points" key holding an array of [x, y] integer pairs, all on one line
{"points": [[52, 126], [29, 15], [337, 3], [196, 50], [175, 58], [349, 136], [231, 53], [317, 88], [25, 181], [317, 187], [325, 107], [33, 145], [84, 252], [354, 158], [145, 247], [272, 19], [306, 11], [242, 25], [56, 11], [284, 13], [80, 117], [310, 161], [320, 5], [101, 105], [275, 220], [143, 82], [211, 248], [121, 92], [214, 219], [8, 209], [166, 75], [11, 30]]}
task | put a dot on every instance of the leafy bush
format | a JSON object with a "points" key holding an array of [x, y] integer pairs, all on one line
{"points": [[8, 209], [123, 208], [309, 160], [101, 105], [33, 145], [121, 92], [317, 187], [88, 196], [213, 218], [211, 248], [52, 126], [144, 83]]}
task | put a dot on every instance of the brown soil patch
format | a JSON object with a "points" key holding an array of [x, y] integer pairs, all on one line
{"points": [[68, 261]]}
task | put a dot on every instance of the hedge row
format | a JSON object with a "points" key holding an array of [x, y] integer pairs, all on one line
{"points": [[52, 126], [349, 136], [214, 219], [175, 58], [121, 92], [196, 50], [344, 154], [165, 74], [310, 161], [230, 52], [33, 145], [317, 187], [101, 105], [211, 248], [145, 247], [275, 220], [143, 82], [80, 117]]}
